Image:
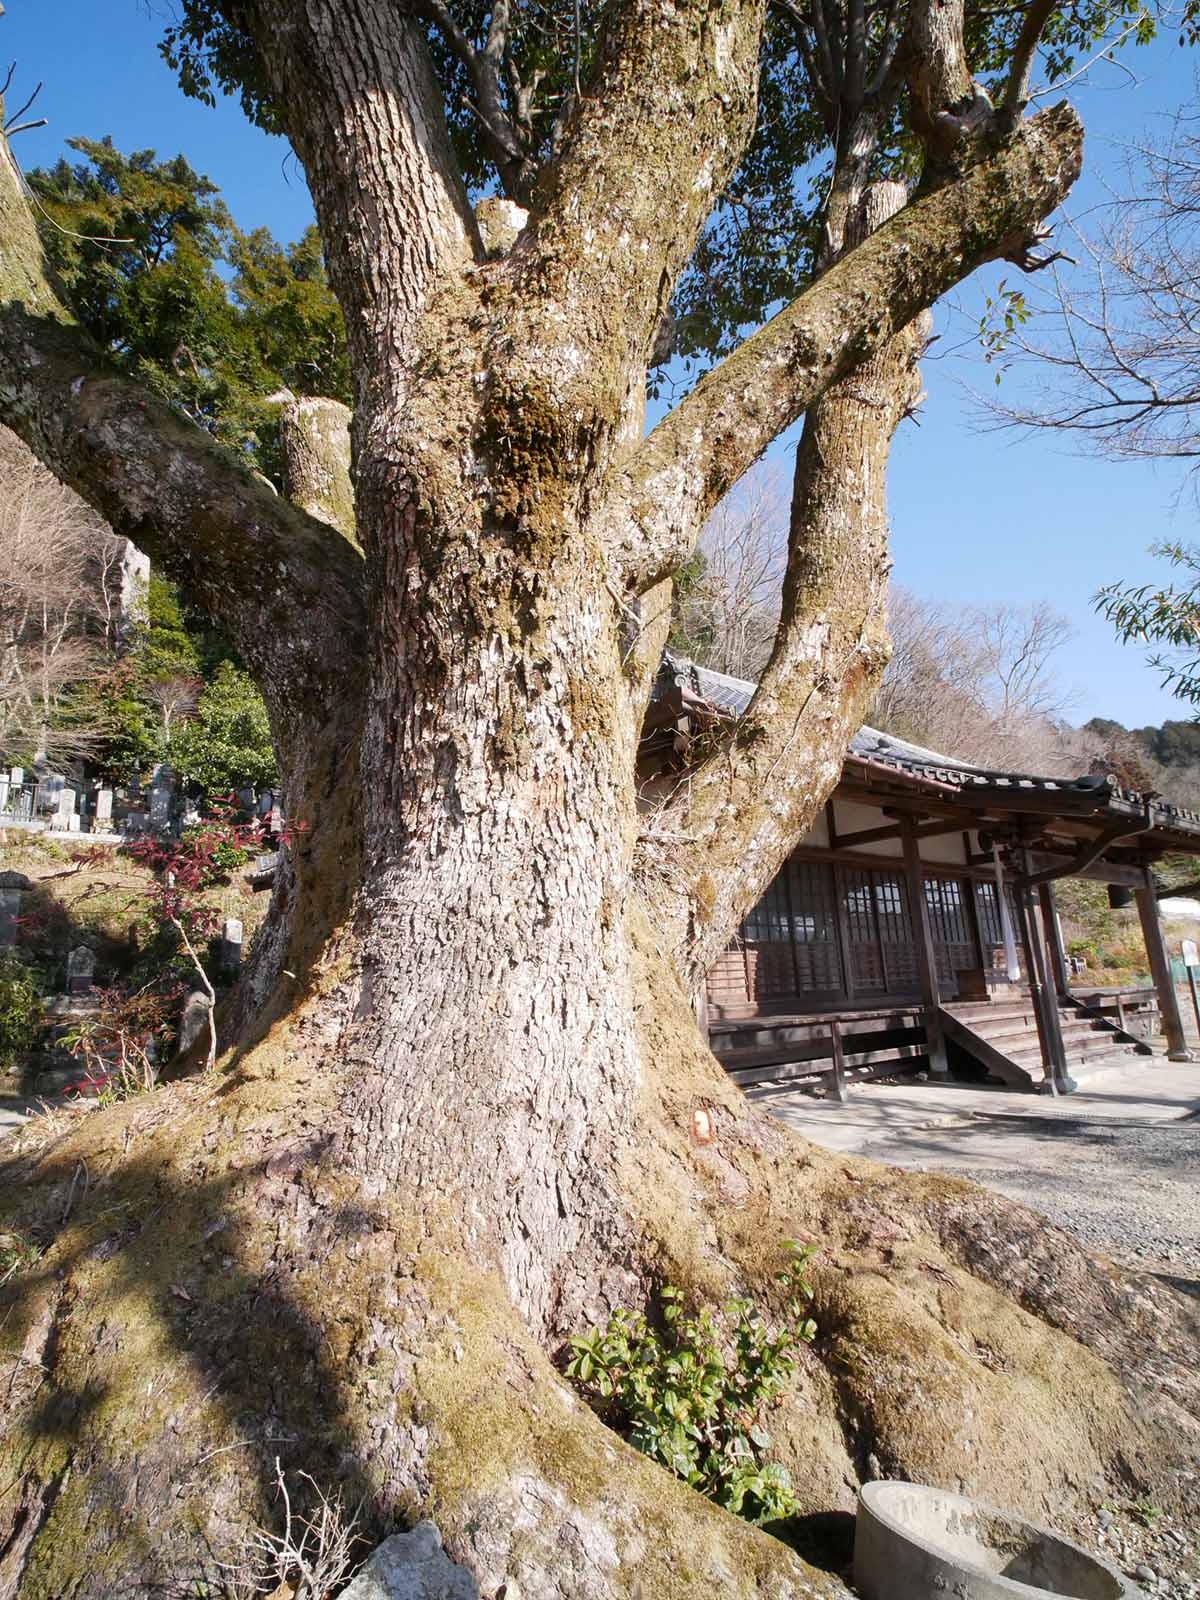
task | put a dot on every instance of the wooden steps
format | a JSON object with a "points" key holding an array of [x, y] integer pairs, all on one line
{"points": [[1002, 1036]]}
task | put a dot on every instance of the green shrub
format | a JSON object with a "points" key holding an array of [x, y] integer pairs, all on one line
{"points": [[20, 1008], [693, 1396]]}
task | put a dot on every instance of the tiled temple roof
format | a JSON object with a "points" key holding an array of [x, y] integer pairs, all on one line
{"points": [[913, 762]]}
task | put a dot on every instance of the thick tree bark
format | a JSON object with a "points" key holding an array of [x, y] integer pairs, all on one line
{"points": [[315, 434], [458, 1126]]}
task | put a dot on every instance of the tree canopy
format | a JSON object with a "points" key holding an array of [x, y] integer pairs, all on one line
{"points": [[214, 319], [833, 114]]}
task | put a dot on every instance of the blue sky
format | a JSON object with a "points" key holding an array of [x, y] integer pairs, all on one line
{"points": [[977, 516]]}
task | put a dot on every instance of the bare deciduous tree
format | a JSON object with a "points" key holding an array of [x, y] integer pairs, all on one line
{"points": [[978, 683], [727, 617], [1117, 345], [175, 697], [59, 584]]}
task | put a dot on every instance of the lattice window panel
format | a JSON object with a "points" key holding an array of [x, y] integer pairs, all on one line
{"points": [[866, 950], [991, 929], [953, 945], [814, 924], [897, 936]]}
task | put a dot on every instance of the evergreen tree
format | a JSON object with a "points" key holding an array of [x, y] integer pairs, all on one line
{"points": [[227, 744], [215, 320]]}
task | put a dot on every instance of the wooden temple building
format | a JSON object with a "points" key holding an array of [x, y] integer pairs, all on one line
{"points": [[915, 925]]}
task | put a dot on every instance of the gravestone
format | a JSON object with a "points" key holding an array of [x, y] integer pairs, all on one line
{"points": [[263, 868], [194, 1020], [135, 823], [231, 944], [12, 886], [4, 786], [64, 810], [160, 808], [17, 776], [104, 807], [81, 967]]}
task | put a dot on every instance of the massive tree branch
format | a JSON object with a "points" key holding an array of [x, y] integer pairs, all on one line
{"points": [[363, 108], [948, 106], [315, 434], [741, 809], [662, 125], [1016, 88], [658, 502], [285, 588]]}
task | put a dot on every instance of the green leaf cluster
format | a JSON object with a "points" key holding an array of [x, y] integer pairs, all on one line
{"points": [[759, 247], [693, 1393], [20, 1007], [1166, 615], [220, 739], [214, 320], [227, 744]]}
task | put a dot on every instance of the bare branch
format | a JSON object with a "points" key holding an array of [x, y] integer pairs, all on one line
{"points": [[1118, 346], [16, 116]]}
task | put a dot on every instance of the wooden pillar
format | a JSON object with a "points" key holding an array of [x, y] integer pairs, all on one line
{"points": [[1051, 928], [981, 959], [923, 938], [1160, 967], [1041, 990], [1011, 964]]}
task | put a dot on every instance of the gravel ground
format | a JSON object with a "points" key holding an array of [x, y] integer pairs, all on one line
{"points": [[1158, 1553], [1130, 1189]]}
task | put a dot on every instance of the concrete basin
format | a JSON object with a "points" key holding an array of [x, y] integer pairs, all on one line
{"points": [[912, 1542]]}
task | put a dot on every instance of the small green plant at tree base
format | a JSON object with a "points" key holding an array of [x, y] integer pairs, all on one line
{"points": [[693, 1395]]}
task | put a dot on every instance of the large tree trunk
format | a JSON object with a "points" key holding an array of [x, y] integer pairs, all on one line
{"points": [[456, 1124], [358, 1250], [228, 1281]]}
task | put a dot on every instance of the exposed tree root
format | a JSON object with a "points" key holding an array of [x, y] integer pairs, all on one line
{"points": [[224, 1296]]}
